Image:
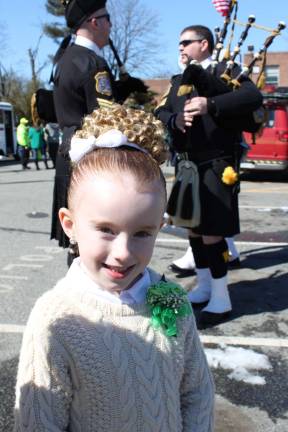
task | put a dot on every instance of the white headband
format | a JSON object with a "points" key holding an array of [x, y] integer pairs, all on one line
{"points": [[110, 139]]}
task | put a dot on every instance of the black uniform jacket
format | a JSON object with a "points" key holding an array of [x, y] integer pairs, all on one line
{"points": [[205, 134], [83, 82]]}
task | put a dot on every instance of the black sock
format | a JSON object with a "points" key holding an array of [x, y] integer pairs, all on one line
{"points": [[199, 252], [218, 256]]}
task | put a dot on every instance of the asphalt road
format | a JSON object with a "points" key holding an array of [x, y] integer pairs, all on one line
{"points": [[31, 264]]}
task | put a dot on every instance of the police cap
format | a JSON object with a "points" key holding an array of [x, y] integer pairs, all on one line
{"points": [[76, 11]]}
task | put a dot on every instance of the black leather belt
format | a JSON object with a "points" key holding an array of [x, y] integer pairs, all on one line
{"points": [[203, 156]]}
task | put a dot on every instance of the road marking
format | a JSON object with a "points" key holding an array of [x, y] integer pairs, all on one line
{"points": [[268, 190], [11, 328], [246, 341], [263, 207], [33, 258], [2, 276], [205, 339], [284, 189], [11, 266], [164, 240], [243, 243]]}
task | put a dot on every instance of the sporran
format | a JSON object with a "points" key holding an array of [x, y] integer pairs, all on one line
{"points": [[184, 202]]}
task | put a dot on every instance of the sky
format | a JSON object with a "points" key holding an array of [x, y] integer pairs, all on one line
{"points": [[20, 28]]}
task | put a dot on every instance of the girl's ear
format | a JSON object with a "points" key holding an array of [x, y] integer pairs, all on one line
{"points": [[66, 221]]}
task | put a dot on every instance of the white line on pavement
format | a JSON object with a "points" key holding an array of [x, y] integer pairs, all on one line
{"points": [[11, 328], [247, 341], [2, 276], [263, 207], [243, 243], [206, 339]]}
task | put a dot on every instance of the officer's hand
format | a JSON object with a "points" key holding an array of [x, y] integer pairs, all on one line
{"points": [[188, 114], [196, 106], [180, 122]]}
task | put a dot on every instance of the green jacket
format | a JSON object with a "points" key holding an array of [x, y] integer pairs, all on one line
{"points": [[36, 136], [22, 135]]}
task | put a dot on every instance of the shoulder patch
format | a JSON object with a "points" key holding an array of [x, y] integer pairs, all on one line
{"points": [[103, 83]]}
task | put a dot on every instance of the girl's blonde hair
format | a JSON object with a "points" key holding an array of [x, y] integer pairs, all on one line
{"points": [[141, 128]]}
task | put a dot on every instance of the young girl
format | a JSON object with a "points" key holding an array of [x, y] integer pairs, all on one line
{"points": [[114, 347]]}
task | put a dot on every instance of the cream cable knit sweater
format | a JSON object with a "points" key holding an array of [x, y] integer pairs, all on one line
{"points": [[90, 366]]}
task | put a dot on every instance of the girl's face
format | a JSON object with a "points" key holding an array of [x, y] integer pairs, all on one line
{"points": [[115, 222]]}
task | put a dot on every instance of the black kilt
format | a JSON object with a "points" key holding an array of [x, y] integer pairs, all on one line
{"points": [[61, 184], [218, 201]]}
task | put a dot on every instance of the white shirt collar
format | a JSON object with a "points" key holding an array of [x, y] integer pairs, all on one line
{"points": [[206, 63], [134, 295], [87, 43], [137, 293]]}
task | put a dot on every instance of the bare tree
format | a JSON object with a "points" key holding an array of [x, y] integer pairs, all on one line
{"points": [[3, 71], [18, 91], [35, 72], [133, 32], [3, 37]]}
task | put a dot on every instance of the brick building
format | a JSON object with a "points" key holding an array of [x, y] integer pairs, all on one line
{"points": [[276, 68], [276, 73], [158, 86]]}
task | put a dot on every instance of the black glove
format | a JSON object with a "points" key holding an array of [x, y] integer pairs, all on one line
{"points": [[64, 148], [206, 84], [136, 85]]}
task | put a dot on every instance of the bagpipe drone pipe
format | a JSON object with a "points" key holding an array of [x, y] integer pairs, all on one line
{"points": [[129, 84], [183, 204], [229, 76]]}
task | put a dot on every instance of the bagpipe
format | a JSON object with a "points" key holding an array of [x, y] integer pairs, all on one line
{"points": [[207, 84], [129, 84], [42, 102], [183, 205]]}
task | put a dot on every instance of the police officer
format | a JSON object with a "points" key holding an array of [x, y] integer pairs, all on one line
{"points": [[82, 82], [197, 136]]}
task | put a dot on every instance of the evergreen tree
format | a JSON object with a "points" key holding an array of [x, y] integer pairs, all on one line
{"points": [[55, 30]]}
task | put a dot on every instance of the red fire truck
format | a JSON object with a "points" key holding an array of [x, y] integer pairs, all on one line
{"points": [[269, 148]]}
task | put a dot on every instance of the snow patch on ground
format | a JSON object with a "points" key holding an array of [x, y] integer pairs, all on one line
{"points": [[243, 363]]}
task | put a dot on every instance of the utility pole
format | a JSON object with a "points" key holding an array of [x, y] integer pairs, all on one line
{"points": [[2, 82]]}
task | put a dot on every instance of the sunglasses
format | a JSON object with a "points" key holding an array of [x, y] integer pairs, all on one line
{"points": [[107, 16], [187, 42]]}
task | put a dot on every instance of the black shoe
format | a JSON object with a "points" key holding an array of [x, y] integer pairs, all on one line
{"points": [[210, 319], [199, 305], [235, 263], [181, 271]]}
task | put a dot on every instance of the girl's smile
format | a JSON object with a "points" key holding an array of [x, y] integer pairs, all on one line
{"points": [[117, 272]]}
